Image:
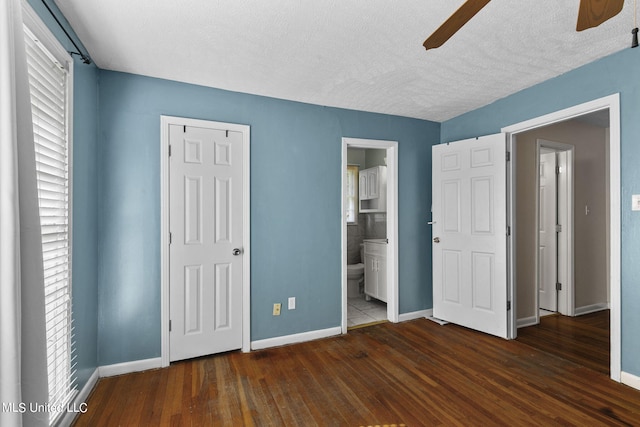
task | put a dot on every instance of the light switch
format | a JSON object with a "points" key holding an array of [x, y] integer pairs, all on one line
{"points": [[635, 202]]}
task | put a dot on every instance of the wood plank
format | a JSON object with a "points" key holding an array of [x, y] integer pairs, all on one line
{"points": [[412, 373], [582, 339]]}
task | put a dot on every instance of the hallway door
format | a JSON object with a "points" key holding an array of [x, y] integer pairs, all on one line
{"points": [[470, 233], [548, 248], [206, 254]]}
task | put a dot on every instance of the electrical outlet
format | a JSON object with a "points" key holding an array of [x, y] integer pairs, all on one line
{"points": [[276, 309], [292, 303]]}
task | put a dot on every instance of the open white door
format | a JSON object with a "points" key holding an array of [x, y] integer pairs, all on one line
{"points": [[470, 233], [548, 235]]}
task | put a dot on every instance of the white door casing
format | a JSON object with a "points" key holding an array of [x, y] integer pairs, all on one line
{"points": [[391, 265], [205, 285], [612, 103], [547, 273], [469, 233]]}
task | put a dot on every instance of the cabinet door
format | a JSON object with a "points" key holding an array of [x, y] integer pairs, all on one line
{"points": [[381, 264], [363, 193], [370, 276], [373, 184]]}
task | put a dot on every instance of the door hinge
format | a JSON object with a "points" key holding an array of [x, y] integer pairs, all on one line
{"points": [[558, 228], [508, 230], [170, 237], [558, 170], [184, 129], [169, 325], [508, 156], [558, 286], [508, 305], [169, 151], [227, 133]]}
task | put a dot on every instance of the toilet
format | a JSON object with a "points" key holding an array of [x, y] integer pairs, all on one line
{"points": [[355, 276]]}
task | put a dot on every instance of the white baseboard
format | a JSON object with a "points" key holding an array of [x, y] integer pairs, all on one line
{"points": [[630, 380], [88, 387], [579, 311], [526, 321], [415, 315], [79, 402], [129, 367], [295, 338]]}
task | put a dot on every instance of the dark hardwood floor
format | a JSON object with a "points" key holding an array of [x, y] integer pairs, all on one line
{"points": [[583, 339], [415, 373]]}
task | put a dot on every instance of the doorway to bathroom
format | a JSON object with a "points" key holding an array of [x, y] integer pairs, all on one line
{"points": [[369, 232]]}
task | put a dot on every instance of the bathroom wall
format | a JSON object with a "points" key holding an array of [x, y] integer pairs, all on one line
{"points": [[370, 225], [375, 158], [355, 236]]}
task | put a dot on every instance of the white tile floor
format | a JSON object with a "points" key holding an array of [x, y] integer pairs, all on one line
{"points": [[360, 312]]}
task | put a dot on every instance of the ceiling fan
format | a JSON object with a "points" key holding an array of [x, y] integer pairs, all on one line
{"points": [[590, 14]]}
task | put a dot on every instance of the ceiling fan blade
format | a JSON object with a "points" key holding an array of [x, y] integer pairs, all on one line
{"points": [[454, 23], [594, 12]]}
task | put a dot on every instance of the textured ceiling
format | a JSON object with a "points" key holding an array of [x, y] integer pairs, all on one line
{"points": [[357, 54]]}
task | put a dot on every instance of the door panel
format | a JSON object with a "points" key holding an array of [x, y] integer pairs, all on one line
{"points": [[469, 231], [193, 298], [481, 205], [205, 290], [451, 206], [451, 276], [482, 277], [363, 191], [192, 210], [372, 184], [222, 301]]}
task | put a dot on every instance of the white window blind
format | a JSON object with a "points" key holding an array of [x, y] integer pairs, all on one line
{"points": [[48, 81]]}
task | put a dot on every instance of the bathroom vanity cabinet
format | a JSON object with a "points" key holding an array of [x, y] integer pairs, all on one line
{"points": [[375, 269], [372, 189]]}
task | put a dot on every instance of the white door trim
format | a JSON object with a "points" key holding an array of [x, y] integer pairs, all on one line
{"points": [[392, 223], [612, 103], [165, 121]]}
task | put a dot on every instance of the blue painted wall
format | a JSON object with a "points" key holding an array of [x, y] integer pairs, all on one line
{"points": [[295, 198], [85, 201], [85, 219], [617, 73], [295, 206]]}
